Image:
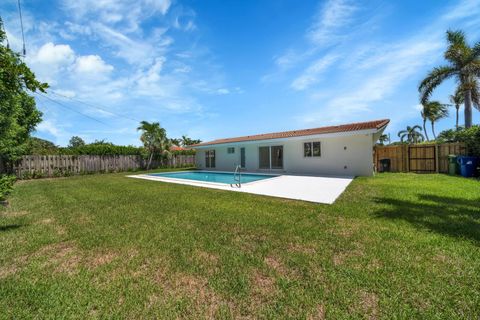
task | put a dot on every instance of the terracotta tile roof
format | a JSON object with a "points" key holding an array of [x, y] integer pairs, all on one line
{"points": [[177, 148], [376, 124]]}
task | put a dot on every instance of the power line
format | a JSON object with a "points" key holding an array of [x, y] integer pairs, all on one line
{"points": [[71, 109], [21, 25], [94, 106]]}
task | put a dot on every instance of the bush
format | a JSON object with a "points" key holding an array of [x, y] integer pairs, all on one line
{"points": [[470, 136], [101, 148], [6, 185]]}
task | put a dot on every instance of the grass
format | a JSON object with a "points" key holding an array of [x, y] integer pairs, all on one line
{"points": [[393, 246]]}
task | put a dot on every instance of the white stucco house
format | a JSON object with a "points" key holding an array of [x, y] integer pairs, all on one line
{"points": [[343, 150]]}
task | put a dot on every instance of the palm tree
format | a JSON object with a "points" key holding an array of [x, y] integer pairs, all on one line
{"points": [[154, 138], [384, 138], [463, 65], [457, 99], [412, 134], [435, 111], [424, 114], [176, 141]]}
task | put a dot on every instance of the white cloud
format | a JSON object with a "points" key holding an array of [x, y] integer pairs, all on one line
{"points": [[223, 91], [313, 72], [54, 55], [334, 15], [130, 13], [92, 64], [48, 126]]}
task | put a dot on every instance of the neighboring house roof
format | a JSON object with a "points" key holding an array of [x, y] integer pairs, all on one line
{"points": [[177, 148], [358, 126]]}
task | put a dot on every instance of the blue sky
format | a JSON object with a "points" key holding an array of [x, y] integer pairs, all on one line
{"points": [[213, 69]]}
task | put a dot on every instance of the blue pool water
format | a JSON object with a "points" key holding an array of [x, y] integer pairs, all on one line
{"points": [[208, 176]]}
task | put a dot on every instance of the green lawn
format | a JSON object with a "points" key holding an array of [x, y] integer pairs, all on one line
{"points": [[393, 246]]}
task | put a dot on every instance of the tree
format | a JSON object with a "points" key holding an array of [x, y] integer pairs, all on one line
{"points": [[384, 138], [155, 140], [463, 65], [186, 141], [176, 141], [37, 146], [457, 99], [424, 113], [433, 111], [76, 142], [411, 134], [18, 112]]}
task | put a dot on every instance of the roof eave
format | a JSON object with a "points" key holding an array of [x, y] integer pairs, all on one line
{"points": [[303, 137]]}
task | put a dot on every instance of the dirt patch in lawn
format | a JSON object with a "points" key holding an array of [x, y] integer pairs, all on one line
{"points": [[307, 249], [14, 214], [342, 257], [317, 314], [101, 258], [368, 304], [275, 264], [204, 300]]}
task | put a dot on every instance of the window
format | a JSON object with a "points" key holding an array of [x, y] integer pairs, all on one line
{"points": [[230, 150], [270, 157], [312, 149], [210, 159]]}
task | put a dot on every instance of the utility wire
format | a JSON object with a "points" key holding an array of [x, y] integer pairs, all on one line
{"points": [[21, 25], [71, 109], [94, 106]]}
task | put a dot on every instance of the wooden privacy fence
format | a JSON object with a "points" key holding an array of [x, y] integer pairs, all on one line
{"points": [[421, 158], [64, 165]]}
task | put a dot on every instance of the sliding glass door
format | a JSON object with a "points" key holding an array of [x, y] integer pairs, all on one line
{"points": [[210, 159], [270, 157]]}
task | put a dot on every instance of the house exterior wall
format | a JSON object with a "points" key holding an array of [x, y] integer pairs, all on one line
{"points": [[341, 156]]}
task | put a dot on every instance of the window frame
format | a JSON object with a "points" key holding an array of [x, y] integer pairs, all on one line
{"points": [[209, 155], [311, 153], [230, 149], [270, 154]]}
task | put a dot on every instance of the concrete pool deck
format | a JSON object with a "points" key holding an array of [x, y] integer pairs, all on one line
{"points": [[307, 188]]}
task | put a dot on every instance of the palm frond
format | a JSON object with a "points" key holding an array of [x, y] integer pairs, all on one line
{"points": [[456, 37], [433, 80]]}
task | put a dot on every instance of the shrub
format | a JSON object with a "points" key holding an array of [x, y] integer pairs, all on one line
{"points": [[6, 185], [471, 137]]}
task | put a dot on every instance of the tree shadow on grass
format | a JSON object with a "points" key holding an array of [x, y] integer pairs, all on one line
{"points": [[10, 227], [449, 216]]}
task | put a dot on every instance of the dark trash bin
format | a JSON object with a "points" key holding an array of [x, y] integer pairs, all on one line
{"points": [[468, 166], [384, 165], [453, 166]]}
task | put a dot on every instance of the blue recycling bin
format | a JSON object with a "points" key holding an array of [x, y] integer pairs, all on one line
{"points": [[468, 165]]}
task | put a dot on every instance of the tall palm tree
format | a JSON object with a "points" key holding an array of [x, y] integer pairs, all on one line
{"points": [[154, 138], [457, 99], [463, 65], [434, 111], [411, 134], [424, 113]]}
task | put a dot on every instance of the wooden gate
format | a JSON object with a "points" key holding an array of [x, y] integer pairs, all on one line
{"points": [[422, 158]]}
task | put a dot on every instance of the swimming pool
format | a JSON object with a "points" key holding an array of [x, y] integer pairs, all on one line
{"points": [[216, 177]]}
